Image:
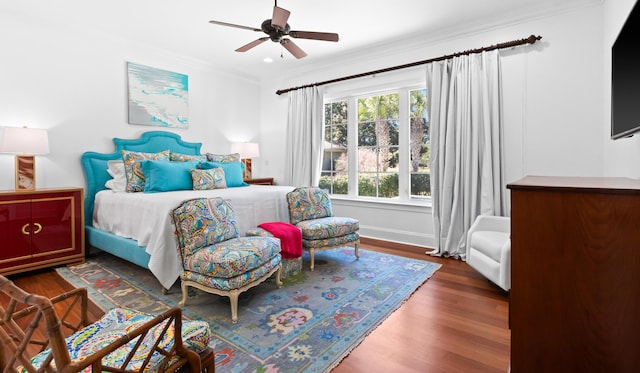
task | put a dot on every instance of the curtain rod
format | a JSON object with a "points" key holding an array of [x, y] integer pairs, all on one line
{"points": [[530, 40]]}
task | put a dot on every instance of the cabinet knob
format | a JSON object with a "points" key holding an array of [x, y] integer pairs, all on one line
{"points": [[37, 225]]}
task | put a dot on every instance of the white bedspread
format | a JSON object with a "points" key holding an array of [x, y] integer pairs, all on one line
{"points": [[145, 217]]}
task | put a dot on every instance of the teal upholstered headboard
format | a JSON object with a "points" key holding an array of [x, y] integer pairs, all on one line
{"points": [[94, 164]]}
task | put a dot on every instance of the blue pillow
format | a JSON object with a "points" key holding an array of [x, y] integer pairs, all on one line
{"points": [[165, 176], [233, 172]]}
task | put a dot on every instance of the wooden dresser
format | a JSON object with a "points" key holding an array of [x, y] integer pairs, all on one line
{"points": [[575, 275], [41, 228]]}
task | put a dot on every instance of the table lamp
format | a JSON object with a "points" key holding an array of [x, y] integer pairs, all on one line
{"points": [[247, 151], [25, 143]]}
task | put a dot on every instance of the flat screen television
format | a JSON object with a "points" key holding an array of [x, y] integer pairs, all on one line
{"points": [[625, 79]]}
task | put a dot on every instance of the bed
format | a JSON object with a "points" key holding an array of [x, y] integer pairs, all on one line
{"points": [[137, 226]]}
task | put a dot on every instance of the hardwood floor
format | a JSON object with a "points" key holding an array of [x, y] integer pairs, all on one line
{"points": [[456, 322]]}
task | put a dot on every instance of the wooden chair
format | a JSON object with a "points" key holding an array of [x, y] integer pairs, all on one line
{"points": [[310, 210], [32, 337]]}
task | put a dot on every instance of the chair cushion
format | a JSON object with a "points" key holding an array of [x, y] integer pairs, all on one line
{"points": [[236, 282], [330, 227], [334, 241], [202, 222], [233, 257], [115, 324], [489, 243], [308, 203]]}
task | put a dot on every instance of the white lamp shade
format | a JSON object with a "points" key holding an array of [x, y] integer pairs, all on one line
{"points": [[246, 149], [23, 140]]}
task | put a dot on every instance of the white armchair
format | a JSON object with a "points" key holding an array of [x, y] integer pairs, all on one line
{"points": [[489, 249]]}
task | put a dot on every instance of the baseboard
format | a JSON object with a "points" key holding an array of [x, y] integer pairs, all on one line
{"points": [[395, 245]]}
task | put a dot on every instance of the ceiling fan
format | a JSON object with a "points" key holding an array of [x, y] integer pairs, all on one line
{"points": [[277, 29]]}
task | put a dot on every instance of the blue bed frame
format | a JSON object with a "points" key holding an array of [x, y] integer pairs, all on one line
{"points": [[94, 166]]}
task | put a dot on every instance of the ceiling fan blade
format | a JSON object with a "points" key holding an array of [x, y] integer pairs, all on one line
{"points": [[234, 25], [246, 47], [326, 36], [293, 48], [279, 18]]}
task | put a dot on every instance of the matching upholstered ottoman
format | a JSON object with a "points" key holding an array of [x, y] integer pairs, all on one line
{"points": [[291, 257]]}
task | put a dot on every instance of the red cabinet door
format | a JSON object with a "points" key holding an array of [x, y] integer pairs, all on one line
{"points": [[52, 230], [15, 225]]}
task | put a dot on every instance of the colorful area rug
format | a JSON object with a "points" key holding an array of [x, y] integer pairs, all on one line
{"points": [[308, 325]]}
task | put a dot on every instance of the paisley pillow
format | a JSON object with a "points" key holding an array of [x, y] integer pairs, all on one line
{"points": [[178, 157], [208, 179], [233, 172], [223, 158], [133, 169]]}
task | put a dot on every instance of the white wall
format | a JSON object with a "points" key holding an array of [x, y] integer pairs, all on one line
{"points": [[73, 82], [622, 157], [553, 106]]}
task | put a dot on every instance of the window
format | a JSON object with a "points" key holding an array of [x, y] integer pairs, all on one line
{"points": [[334, 177], [419, 144], [377, 146]]}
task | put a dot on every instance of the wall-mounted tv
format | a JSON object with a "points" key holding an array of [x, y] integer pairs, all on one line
{"points": [[625, 79]]}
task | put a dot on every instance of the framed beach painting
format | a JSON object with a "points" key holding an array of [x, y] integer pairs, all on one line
{"points": [[157, 97]]}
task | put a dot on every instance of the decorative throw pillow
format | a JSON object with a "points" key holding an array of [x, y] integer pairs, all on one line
{"points": [[115, 169], [223, 158], [233, 172], [163, 176], [133, 170], [177, 157], [208, 179]]}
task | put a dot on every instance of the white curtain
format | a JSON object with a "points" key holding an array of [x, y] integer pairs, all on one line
{"points": [[467, 166], [305, 132]]}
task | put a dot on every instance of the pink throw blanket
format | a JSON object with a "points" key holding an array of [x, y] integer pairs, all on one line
{"points": [[290, 238]]}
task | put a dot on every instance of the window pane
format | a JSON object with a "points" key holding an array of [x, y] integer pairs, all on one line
{"points": [[334, 182], [335, 113], [367, 185], [388, 187], [387, 158], [421, 185], [419, 144], [388, 106], [386, 132], [339, 136], [367, 160], [367, 134]]}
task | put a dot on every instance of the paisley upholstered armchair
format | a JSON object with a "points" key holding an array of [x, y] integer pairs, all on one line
{"points": [[310, 210], [215, 258]]}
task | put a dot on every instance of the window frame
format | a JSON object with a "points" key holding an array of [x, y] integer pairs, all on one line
{"points": [[403, 89]]}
